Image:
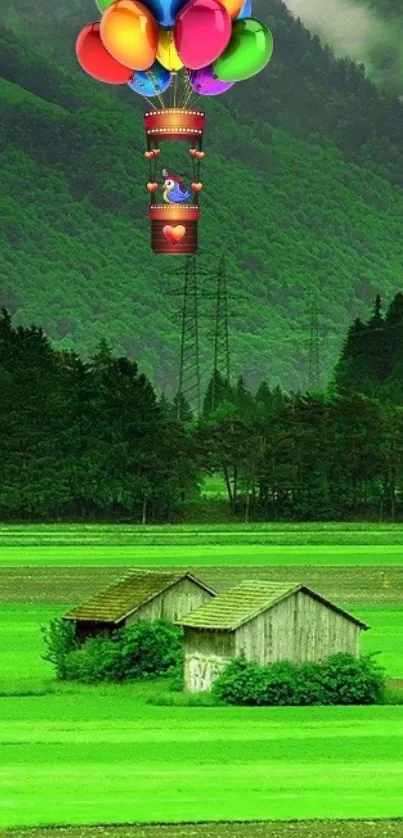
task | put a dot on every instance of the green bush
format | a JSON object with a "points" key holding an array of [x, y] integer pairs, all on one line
{"points": [[148, 649], [140, 650], [59, 639], [280, 684], [341, 679], [96, 660], [241, 683], [177, 674], [349, 680], [310, 688]]}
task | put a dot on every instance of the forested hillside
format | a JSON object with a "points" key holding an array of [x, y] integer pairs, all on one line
{"points": [[303, 179]]}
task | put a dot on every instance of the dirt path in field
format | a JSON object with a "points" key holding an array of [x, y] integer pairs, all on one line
{"points": [[292, 829], [65, 585]]}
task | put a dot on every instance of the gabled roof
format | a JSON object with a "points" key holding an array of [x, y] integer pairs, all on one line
{"points": [[242, 603], [116, 602]]}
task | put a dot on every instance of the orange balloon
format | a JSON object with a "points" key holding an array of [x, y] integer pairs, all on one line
{"points": [[233, 7], [130, 34]]}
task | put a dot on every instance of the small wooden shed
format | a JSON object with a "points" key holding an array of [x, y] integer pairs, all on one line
{"points": [[264, 622], [142, 595]]}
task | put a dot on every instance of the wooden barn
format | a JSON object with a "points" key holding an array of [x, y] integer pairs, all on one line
{"points": [[264, 622], [142, 595]]}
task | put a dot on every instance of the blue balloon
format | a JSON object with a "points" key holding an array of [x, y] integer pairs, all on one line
{"points": [[156, 80], [165, 11], [246, 10]]}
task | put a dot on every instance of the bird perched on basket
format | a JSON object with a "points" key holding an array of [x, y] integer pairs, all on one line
{"points": [[174, 191]]}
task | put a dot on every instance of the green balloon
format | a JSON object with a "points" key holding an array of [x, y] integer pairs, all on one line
{"points": [[248, 51], [103, 4]]}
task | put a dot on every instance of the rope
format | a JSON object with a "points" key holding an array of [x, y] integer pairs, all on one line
{"points": [[153, 81], [187, 88]]}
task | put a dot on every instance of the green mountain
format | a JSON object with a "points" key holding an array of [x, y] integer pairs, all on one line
{"points": [[303, 193]]}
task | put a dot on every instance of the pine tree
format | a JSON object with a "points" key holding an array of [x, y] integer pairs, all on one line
{"points": [[218, 391]]}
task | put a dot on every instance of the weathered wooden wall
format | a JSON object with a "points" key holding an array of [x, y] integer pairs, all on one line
{"points": [[300, 628], [206, 653], [180, 599]]}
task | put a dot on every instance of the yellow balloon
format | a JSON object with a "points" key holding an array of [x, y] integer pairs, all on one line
{"points": [[233, 7], [166, 51], [130, 34]]}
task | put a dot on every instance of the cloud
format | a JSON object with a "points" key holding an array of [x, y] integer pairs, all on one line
{"points": [[353, 30], [348, 28]]}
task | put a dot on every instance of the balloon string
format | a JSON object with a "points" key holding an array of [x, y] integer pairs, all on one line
{"points": [[189, 93], [187, 89], [151, 76], [175, 87], [149, 102], [188, 98]]}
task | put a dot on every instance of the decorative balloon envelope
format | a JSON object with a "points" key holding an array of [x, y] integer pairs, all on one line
{"points": [[193, 48]]}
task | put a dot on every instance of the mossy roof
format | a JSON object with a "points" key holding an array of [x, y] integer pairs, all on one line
{"points": [[116, 602], [246, 601]]}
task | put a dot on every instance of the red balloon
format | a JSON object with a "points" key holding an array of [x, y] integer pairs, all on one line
{"points": [[96, 60], [202, 32]]}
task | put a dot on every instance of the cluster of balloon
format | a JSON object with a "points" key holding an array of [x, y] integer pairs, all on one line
{"points": [[216, 40], [211, 44]]}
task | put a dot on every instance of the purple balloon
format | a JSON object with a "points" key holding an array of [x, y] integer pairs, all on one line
{"points": [[205, 83]]}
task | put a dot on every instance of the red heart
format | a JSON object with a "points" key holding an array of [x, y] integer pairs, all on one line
{"points": [[192, 152], [197, 187], [174, 234], [152, 187], [149, 154], [199, 155]]}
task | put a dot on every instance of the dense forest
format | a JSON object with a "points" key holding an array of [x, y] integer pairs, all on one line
{"points": [[92, 440], [303, 173]]}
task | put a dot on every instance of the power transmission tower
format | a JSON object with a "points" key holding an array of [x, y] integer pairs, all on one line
{"points": [[221, 330], [314, 360], [189, 364]]}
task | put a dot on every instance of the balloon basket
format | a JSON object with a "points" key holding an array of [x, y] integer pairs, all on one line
{"points": [[174, 124], [174, 229]]}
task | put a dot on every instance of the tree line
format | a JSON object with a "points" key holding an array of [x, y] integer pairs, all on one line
{"points": [[94, 441]]}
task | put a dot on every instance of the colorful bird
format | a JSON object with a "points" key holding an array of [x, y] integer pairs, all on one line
{"points": [[174, 192]]}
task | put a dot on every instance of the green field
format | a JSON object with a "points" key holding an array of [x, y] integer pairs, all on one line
{"points": [[74, 755], [103, 754]]}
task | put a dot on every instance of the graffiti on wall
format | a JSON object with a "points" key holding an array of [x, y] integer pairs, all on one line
{"points": [[202, 670]]}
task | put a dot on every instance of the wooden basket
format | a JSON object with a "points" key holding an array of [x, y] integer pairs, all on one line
{"points": [[179, 222]]}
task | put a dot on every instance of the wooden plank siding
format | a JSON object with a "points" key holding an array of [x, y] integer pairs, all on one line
{"points": [[184, 596], [299, 628]]}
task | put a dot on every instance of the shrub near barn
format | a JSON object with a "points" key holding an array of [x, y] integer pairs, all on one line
{"points": [[341, 679], [141, 650]]}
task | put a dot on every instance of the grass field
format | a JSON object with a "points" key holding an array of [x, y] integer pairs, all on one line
{"points": [[76, 755], [103, 754]]}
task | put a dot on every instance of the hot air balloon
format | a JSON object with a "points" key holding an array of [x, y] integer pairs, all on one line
{"points": [[173, 52]]}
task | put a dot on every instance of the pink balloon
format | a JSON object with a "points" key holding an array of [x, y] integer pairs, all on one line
{"points": [[202, 31]]}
